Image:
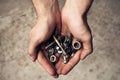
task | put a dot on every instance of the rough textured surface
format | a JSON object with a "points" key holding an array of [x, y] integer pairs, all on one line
{"points": [[16, 20]]}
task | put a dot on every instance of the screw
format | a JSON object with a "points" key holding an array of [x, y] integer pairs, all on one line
{"points": [[49, 45], [65, 59], [52, 43], [63, 52], [61, 38], [68, 50], [66, 39], [58, 49], [51, 51], [72, 54]]}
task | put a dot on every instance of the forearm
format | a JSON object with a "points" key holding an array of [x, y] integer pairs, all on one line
{"points": [[81, 5], [44, 6]]}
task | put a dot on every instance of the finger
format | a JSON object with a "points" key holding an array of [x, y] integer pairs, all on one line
{"points": [[32, 49], [74, 60], [87, 49], [46, 65], [59, 65]]}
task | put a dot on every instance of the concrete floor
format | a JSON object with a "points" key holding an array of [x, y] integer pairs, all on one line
{"points": [[16, 20]]}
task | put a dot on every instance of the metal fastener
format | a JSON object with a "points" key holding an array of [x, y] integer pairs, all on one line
{"points": [[72, 54], [65, 59], [53, 58], [58, 49], [63, 52], [50, 51], [51, 44], [76, 45]]}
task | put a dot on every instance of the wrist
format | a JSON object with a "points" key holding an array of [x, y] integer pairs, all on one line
{"points": [[45, 7], [81, 6]]}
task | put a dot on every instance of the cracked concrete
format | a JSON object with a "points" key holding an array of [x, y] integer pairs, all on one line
{"points": [[16, 20]]}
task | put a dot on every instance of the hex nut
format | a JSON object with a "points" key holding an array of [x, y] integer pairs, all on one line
{"points": [[76, 45], [53, 58]]}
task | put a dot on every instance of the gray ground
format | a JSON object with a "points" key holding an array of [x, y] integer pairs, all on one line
{"points": [[16, 20]]}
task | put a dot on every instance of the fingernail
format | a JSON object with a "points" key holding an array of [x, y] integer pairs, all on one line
{"points": [[59, 73], [56, 76], [32, 59]]}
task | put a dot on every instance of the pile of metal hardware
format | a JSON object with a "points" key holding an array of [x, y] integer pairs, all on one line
{"points": [[63, 45]]}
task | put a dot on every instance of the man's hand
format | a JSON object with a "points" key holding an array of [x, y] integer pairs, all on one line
{"points": [[73, 14], [72, 22], [48, 19]]}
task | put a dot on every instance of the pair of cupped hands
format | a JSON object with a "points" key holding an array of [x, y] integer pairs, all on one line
{"points": [[71, 19]]}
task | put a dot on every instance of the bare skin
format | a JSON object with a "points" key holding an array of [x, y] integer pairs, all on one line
{"points": [[48, 18], [72, 20], [72, 15]]}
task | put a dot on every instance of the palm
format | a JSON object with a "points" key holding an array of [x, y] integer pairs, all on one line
{"points": [[73, 23], [41, 32]]}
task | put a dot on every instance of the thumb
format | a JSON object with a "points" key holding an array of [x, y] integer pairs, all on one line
{"points": [[33, 47]]}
